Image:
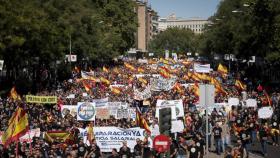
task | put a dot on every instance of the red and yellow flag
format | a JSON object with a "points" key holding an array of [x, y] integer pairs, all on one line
{"points": [[58, 136], [87, 86], [105, 81], [140, 70], [267, 98], [129, 66], [178, 87], [116, 90], [222, 69], [196, 89], [240, 85], [14, 95], [164, 72], [142, 80], [17, 127], [141, 121]]}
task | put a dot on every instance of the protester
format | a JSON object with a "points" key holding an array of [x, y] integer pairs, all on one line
{"points": [[224, 121]]}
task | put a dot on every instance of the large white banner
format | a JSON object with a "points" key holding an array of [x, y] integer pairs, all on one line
{"points": [[108, 138], [86, 111], [162, 84], [177, 109], [99, 103], [145, 94], [27, 137]]}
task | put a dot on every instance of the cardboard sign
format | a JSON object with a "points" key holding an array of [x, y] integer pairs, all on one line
{"points": [[265, 112], [233, 101], [251, 103]]}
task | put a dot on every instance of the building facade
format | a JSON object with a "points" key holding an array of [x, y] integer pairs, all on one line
{"points": [[147, 25], [195, 24]]}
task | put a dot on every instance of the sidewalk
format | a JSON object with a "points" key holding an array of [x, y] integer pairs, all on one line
{"points": [[213, 155]]}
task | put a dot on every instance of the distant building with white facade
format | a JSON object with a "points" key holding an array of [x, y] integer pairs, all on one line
{"points": [[195, 24]]}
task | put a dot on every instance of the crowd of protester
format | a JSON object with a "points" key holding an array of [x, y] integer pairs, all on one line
{"points": [[230, 132]]}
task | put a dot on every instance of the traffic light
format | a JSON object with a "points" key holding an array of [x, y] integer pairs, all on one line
{"points": [[165, 121]]}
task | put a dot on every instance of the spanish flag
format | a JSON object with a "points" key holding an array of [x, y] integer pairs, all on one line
{"points": [[141, 121], [164, 61], [140, 70], [196, 89], [14, 95], [129, 66], [104, 80], [240, 85], [222, 69], [218, 86], [178, 87], [164, 72], [116, 90], [87, 86], [17, 127], [105, 69], [267, 98], [142, 80], [59, 136]]}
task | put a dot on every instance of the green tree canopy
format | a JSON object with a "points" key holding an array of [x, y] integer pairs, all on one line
{"points": [[174, 39]]}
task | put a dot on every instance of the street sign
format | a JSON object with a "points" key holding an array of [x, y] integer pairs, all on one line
{"points": [[161, 143], [71, 58]]}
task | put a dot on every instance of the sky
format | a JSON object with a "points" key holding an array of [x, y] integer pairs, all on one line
{"points": [[185, 8]]}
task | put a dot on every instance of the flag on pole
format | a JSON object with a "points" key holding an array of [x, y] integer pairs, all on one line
{"points": [[222, 69], [105, 81], [267, 98], [17, 127], [141, 121], [14, 95], [87, 86], [240, 85]]}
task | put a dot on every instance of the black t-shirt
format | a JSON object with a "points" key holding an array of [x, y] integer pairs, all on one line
{"points": [[200, 143], [217, 132], [125, 153], [193, 150], [243, 135], [137, 150], [94, 153], [262, 133], [81, 150]]}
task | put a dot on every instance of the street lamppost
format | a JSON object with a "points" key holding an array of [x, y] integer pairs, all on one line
{"points": [[229, 57]]}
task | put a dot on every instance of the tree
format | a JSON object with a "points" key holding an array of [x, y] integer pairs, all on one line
{"points": [[176, 40], [245, 30]]}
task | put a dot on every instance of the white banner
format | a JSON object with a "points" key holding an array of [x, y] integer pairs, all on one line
{"points": [[251, 103], [202, 68], [265, 112], [101, 103], [27, 137], [177, 126], [161, 84], [69, 109], [86, 111], [145, 94], [176, 106], [108, 138], [233, 101], [114, 106], [126, 113]]}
